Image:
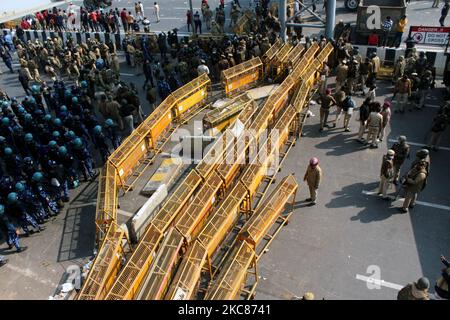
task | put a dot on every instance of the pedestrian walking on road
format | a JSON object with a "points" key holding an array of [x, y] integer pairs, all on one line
{"points": [[374, 124], [197, 23], [326, 101], [386, 113], [386, 173], [415, 291], [414, 183], [156, 11], [402, 149], [444, 13], [313, 176], [364, 111], [402, 92], [348, 106], [401, 25], [189, 20], [437, 129], [386, 27]]}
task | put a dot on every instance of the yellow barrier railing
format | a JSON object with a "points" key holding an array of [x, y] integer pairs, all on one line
{"points": [[242, 76]]}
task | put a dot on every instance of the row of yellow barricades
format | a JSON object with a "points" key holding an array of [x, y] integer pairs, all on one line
{"points": [[145, 139]]}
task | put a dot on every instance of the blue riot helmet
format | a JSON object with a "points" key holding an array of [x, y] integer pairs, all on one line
{"points": [[20, 187], [77, 143], [52, 144], [57, 122], [28, 137], [63, 109], [28, 160], [5, 121], [2, 139], [74, 100], [5, 104], [62, 151], [84, 84], [28, 117], [47, 117], [68, 93], [37, 176], [97, 130], [71, 134], [35, 89], [12, 197], [8, 151], [109, 122], [56, 134], [2, 210], [21, 110], [32, 100]]}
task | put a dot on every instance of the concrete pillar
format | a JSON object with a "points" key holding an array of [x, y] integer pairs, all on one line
{"points": [[282, 18], [331, 18]]}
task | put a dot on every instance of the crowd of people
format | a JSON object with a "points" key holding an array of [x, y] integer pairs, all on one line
{"points": [[77, 110]]}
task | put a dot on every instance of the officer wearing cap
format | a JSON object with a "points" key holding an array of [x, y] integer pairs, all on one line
{"points": [[402, 150], [414, 183], [415, 291], [313, 177], [386, 173]]}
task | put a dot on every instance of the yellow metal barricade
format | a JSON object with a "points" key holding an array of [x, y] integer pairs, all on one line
{"points": [[221, 117], [233, 275], [105, 267], [191, 94], [161, 272], [242, 76], [106, 209]]}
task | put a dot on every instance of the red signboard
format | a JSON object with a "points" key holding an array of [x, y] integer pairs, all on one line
{"points": [[429, 35]]}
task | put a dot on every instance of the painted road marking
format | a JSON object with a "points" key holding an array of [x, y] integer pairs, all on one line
{"points": [[127, 74], [422, 203], [379, 282], [420, 144]]}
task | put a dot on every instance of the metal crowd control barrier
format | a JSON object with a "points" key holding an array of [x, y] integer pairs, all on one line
{"points": [[242, 76], [221, 221], [220, 118], [232, 277], [277, 63], [191, 94], [234, 273], [146, 138], [161, 272], [294, 55], [271, 52], [106, 209], [105, 266]]}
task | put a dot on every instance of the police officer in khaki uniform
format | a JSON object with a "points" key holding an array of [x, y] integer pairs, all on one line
{"points": [[401, 148], [374, 125], [313, 176], [386, 173], [341, 75], [414, 183]]}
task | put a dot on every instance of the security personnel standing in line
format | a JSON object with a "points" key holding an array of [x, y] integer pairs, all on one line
{"points": [[386, 174], [401, 149], [414, 183], [313, 176], [10, 231]]}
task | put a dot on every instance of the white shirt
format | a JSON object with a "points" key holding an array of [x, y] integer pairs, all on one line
{"points": [[156, 8], [201, 69]]}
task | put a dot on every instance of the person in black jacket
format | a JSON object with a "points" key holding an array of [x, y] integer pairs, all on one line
{"points": [[364, 111], [148, 73]]}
